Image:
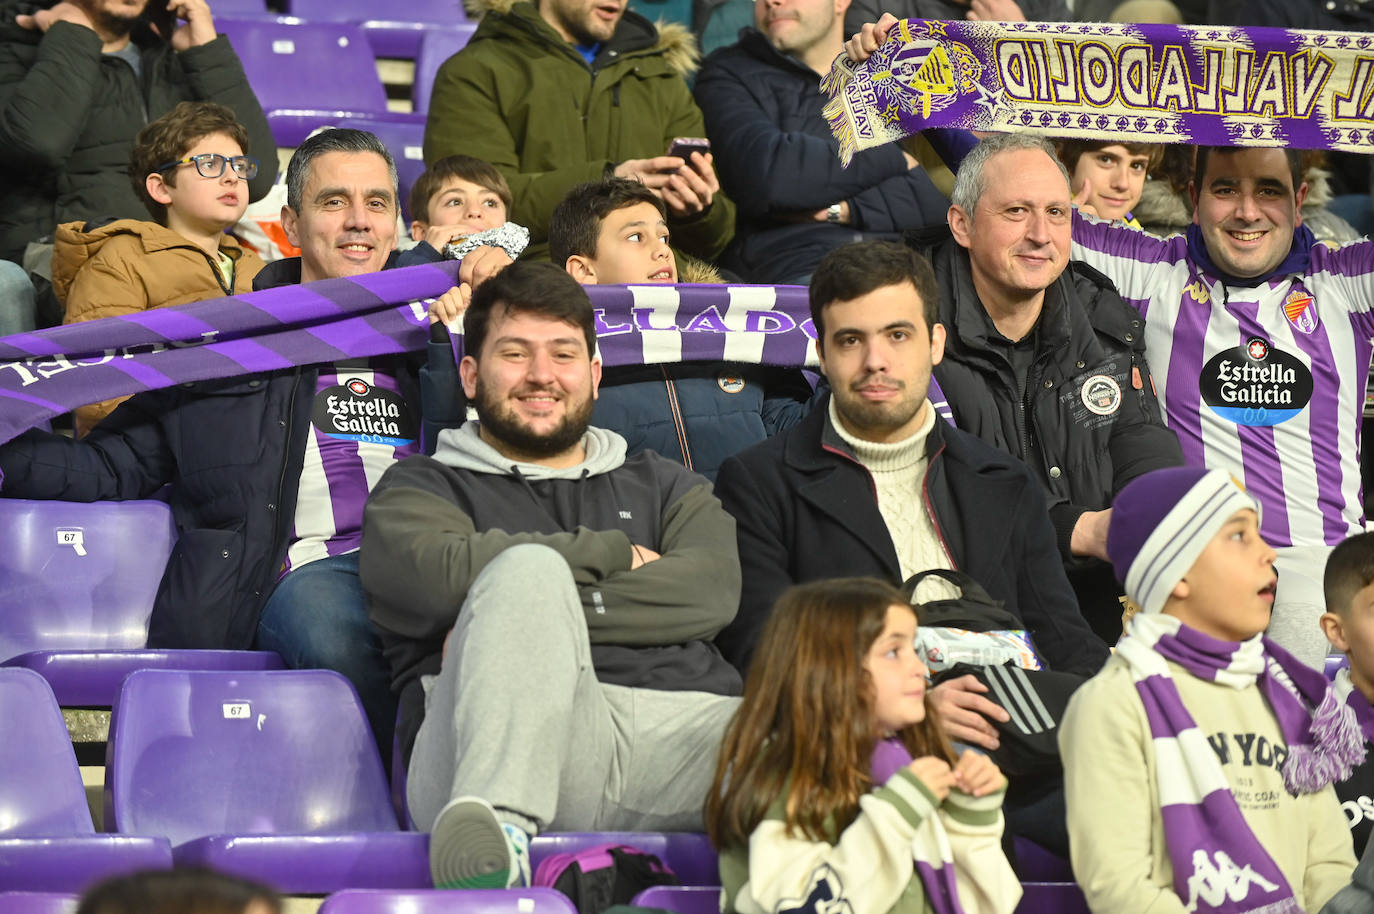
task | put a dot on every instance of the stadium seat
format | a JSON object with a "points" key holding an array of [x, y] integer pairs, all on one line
{"points": [[1052, 898], [435, 901], [272, 776], [47, 840], [37, 903], [241, 9], [1335, 663], [77, 583], [681, 899], [306, 74], [1036, 864], [405, 137], [437, 46], [397, 32]]}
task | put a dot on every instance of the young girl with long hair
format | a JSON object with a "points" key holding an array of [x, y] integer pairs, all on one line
{"points": [[795, 811]]}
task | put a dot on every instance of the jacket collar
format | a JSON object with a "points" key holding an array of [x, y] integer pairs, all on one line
{"points": [[815, 445], [287, 272], [633, 33]]}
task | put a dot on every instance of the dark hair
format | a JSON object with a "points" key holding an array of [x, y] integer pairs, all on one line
{"points": [[1294, 157], [169, 138], [575, 224], [1349, 569], [1070, 151], [809, 671], [333, 139], [189, 890], [528, 287], [857, 269], [466, 168]]}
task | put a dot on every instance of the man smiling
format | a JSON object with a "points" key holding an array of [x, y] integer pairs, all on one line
{"points": [[1260, 341], [530, 541]]}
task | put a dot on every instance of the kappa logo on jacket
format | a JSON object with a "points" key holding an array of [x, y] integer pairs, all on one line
{"points": [[1212, 884]]}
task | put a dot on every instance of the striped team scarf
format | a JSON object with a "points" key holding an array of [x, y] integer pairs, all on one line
{"points": [[49, 372], [1206, 85], [1347, 694], [1219, 866]]}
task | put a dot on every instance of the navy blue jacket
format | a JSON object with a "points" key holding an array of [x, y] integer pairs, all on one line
{"points": [[232, 450], [777, 161], [806, 509]]}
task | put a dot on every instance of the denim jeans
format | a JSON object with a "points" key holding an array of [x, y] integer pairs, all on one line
{"points": [[317, 620]]}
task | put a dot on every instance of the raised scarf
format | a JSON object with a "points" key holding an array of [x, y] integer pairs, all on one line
{"points": [[1206, 85]]}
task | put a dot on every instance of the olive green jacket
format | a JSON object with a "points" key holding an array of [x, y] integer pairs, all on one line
{"points": [[523, 99]]}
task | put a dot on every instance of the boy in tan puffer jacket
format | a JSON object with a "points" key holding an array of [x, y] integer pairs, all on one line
{"points": [[191, 170]]}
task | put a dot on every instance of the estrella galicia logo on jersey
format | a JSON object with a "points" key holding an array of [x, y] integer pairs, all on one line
{"points": [[358, 411], [1255, 384], [1301, 310]]}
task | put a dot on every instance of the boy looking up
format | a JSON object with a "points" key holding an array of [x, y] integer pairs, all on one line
{"points": [[1198, 776], [457, 196]]}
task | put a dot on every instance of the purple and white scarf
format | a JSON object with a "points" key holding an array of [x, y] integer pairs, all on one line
{"points": [[1208, 85], [1346, 693], [1204, 829]]}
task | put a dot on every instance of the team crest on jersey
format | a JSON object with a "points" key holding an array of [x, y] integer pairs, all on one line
{"points": [[1301, 310], [1255, 384], [358, 411], [1101, 394]]}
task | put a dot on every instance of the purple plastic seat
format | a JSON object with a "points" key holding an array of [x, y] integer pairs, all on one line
{"points": [[688, 854], [1335, 663], [1052, 898], [269, 775], [37, 903], [437, 46], [306, 74], [436, 901], [240, 9], [47, 841], [1036, 864], [405, 137], [682, 899], [392, 32], [76, 588]]}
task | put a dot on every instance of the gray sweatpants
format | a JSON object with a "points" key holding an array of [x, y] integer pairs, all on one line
{"points": [[517, 717]]}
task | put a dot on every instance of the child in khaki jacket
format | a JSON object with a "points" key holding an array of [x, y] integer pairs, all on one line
{"points": [[191, 170]]}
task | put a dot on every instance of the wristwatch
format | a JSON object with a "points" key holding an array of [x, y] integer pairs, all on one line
{"points": [[832, 215]]}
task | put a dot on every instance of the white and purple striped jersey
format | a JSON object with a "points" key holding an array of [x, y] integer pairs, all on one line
{"points": [[359, 426], [1266, 382]]}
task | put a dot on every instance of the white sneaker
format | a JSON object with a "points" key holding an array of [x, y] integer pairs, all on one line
{"points": [[470, 848]]}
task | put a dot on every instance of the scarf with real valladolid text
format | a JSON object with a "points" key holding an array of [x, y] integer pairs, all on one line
{"points": [[49, 372], [1204, 830], [1206, 85]]}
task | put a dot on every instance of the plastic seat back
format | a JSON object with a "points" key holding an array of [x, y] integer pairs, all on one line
{"points": [[80, 575], [194, 753], [461, 901], [41, 794], [406, 140], [681, 899], [437, 46]]}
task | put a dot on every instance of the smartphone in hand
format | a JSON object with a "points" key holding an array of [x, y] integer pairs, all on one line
{"points": [[684, 146]]}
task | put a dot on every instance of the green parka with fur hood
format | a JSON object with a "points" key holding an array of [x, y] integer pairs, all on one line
{"points": [[523, 99]]}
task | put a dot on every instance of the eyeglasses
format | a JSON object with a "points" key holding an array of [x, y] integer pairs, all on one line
{"points": [[211, 165]]}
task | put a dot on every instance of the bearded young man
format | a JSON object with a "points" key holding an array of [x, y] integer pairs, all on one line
{"points": [[567, 593]]}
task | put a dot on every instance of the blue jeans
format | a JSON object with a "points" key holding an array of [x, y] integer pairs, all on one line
{"points": [[317, 620], [16, 299]]}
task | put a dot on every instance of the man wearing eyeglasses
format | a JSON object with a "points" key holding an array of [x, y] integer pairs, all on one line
{"points": [[78, 80], [268, 472]]}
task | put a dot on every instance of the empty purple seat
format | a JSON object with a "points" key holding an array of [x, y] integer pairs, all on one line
{"points": [[47, 841], [405, 137], [682, 899], [241, 8], [1052, 898], [392, 32], [77, 583], [436, 46], [306, 74], [269, 775], [688, 854], [80, 576], [37, 903], [436, 901]]}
